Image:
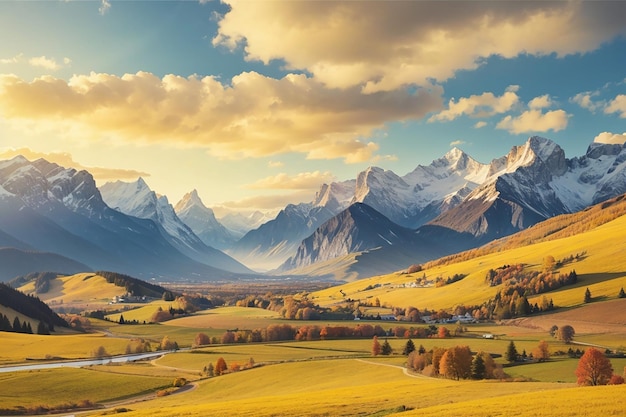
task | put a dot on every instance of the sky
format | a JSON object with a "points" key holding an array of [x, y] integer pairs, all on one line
{"points": [[256, 104]]}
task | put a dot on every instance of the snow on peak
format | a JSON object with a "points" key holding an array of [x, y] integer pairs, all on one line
{"points": [[189, 200]]}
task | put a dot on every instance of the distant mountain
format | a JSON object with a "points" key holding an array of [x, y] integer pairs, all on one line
{"points": [[469, 202], [47, 208], [275, 241], [202, 221], [138, 200], [16, 262], [380, 245]]}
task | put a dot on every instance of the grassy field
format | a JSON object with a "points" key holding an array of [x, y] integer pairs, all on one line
{"points": [[603, 270], [65, 385]]}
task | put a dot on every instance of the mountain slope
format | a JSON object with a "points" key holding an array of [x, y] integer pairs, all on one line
{"points": [[53, 209], [138, 200], [17, 262], [202, 221]]}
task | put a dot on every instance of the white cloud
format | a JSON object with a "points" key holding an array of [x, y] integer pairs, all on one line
{"points": [[613, 138], [457, 143], [105, 5], [480, 124], [382, 46], [586, 101], [13, 60], [485, 105], [540, 102], [253, 116], [48, 63], [535, 121], [617, 105]]}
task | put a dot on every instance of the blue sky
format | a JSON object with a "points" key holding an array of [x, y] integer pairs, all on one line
{"points": [[256, 104]]}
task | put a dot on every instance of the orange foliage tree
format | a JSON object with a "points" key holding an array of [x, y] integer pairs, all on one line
{"points": [[594, 368], [542, 352], [456, 363], [220, 366], [376, 348]]}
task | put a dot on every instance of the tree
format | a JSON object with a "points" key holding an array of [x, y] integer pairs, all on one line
{"points": [[621, 294], [587, 298], [616, 380], [594, 368], [566, 333], [478, 367], [443, 332], [386, 349], [209, 370], [542, 352], [375, 346], [201, 339], [548, 263], [456, 363], [17, 326], [99, 352], [121, 320], [511, 352], [220, 366], [42, 328], [408, 348], [553, 330]]}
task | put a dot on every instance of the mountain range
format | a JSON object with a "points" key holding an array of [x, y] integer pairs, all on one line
{"points": [[378, 222]]}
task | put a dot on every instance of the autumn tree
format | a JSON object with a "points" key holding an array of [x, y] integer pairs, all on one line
{"points": [[456, 363], [549, 263], [587, 298], [167, 344], [566, 333], [201, 339], [542, 352], [408, 347], [99, 352], [220, 366], [511, 352], [616, 380], [594, 368], [436, 359], [443, 332], [386, 349], [375, 346], [209, 370]]}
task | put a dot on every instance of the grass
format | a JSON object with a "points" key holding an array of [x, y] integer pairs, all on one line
{"points": [[65, 385]]}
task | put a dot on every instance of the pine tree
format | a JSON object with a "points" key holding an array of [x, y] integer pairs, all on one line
{"points": [[478, 367], [408, 348], [621, 294], [17, 326], [511, 352], [386, 349], [587, 296]]}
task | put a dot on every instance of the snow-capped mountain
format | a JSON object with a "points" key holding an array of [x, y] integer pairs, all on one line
{"points": [[238, 223], [456, 194], [138, 200], [202, 221], [50, 209]]}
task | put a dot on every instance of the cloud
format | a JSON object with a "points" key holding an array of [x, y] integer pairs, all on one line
{"points": [[43, 62], [608, 137], [586, 101], [540, 102], [13, 60], [480, 124], [65, 160], [382, 46], [388, 158], [275, 164], [105, 5], [535, 120], [266, 202], [302, 181], [253, 116], [617, 105], [484, 105], [456, 143]]}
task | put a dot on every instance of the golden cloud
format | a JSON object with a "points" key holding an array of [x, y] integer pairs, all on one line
{"points": [[613, 138], [617, 105], [381, 46], [255, 116], [301, 181], [483, 105], [65, 160], [535, 120]]}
